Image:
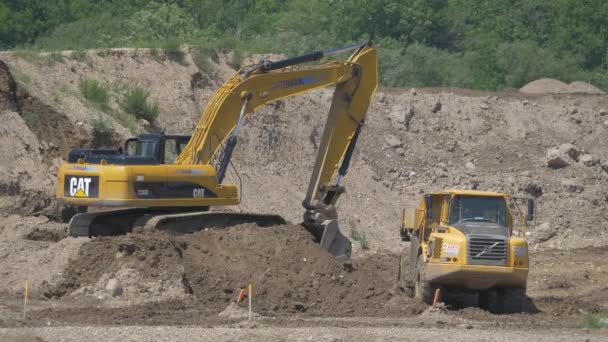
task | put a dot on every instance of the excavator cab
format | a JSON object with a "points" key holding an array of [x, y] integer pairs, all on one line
{"points": [[146, 149]]}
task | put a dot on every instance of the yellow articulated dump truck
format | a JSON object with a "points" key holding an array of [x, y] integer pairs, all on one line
{"points": [[471, 245]]}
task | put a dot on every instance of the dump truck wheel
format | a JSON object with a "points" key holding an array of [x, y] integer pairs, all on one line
{"points": [[489, 300], [512, 300], [423, 290]]}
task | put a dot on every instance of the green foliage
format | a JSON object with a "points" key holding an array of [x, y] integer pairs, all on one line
{"points": [[487, 44], [172, 50], [53, 58], [95, 92], [159, 22], [21, 77], [593, 321], [201, 57], [421, 66], [236, 59], [102, 132], [361, 237], [135, 102], [30, 118], [525, 61], [78, 55]]}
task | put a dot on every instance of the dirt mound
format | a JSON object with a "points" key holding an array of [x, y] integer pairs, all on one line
{"points": [[289, 273], [552, 86], [580, 87], [545, 86]]}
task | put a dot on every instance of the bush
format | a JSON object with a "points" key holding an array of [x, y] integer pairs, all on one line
{"points": [[136, 103], [421, 66], [594, 321], [30, 118], [102, 133], [102, 31], [524, 61], [172, 50], [157, 22], [78, 55], [95, 92], [361, 237]]}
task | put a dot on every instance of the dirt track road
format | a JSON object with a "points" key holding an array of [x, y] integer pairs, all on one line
{"points": [[311, 333]]}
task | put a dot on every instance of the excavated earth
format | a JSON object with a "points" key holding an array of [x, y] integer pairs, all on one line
{"points": [[535, 142]]}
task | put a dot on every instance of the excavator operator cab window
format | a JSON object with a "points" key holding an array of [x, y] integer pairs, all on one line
{"points": [[146, 148], [131, 147], [171, 151]]}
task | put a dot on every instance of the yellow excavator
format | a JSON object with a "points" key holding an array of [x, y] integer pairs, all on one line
{"points": [[170, 181]]}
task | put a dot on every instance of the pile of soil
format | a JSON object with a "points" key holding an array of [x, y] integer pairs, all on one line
{"points": [[545, 86], [289, 273], [553, 86], [580, 87]]}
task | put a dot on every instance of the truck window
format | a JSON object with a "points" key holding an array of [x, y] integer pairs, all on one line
{"points": [[480, 209]]}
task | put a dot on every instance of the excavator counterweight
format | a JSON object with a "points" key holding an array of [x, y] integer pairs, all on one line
{"points": [[168, 180]]}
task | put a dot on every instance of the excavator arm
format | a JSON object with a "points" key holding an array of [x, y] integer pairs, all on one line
{"points": [[356, 80]]}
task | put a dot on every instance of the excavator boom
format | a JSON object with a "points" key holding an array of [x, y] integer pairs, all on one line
{"points": [[192, 181]]}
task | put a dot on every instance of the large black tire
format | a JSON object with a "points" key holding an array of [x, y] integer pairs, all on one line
{"points": [[489, 300], [405, 235], [423, 290], [511, 300]]}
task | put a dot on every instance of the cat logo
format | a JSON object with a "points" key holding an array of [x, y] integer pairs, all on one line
{"points": [[81, 187], [198, 193]]}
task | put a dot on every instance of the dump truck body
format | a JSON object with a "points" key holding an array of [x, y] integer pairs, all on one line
{"points": [[466, 241]]}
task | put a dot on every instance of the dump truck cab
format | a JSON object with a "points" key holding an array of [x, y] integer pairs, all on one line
{"points": [[471, 242]]}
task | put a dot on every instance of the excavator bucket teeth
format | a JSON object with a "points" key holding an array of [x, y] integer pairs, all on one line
{"points": [[335, 242]]}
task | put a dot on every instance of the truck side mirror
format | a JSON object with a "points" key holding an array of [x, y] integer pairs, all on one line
{"points": [[531, 209], [428, 201]]}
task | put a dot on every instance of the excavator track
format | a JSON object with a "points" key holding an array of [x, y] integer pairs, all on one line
{"points": [[191, 222], [116, 222]]}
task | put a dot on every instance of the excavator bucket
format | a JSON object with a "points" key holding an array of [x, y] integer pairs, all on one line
{"points": [[332, 240]]}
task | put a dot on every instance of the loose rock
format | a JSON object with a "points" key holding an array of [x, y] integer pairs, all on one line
{"points": [[572, 186], [436, 107], [570, 150], [588, 160], [113, 287], [393, 141], [543, 232]]}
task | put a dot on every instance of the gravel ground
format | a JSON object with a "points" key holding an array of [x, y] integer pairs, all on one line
{"points": [[165, 333]]}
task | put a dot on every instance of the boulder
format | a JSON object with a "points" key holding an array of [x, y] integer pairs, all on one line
{"points": [[470, 165], [534, 189], [557, 160], [588, 160], [113, 287], [569, 150], [543, 232], [436, 107]]}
